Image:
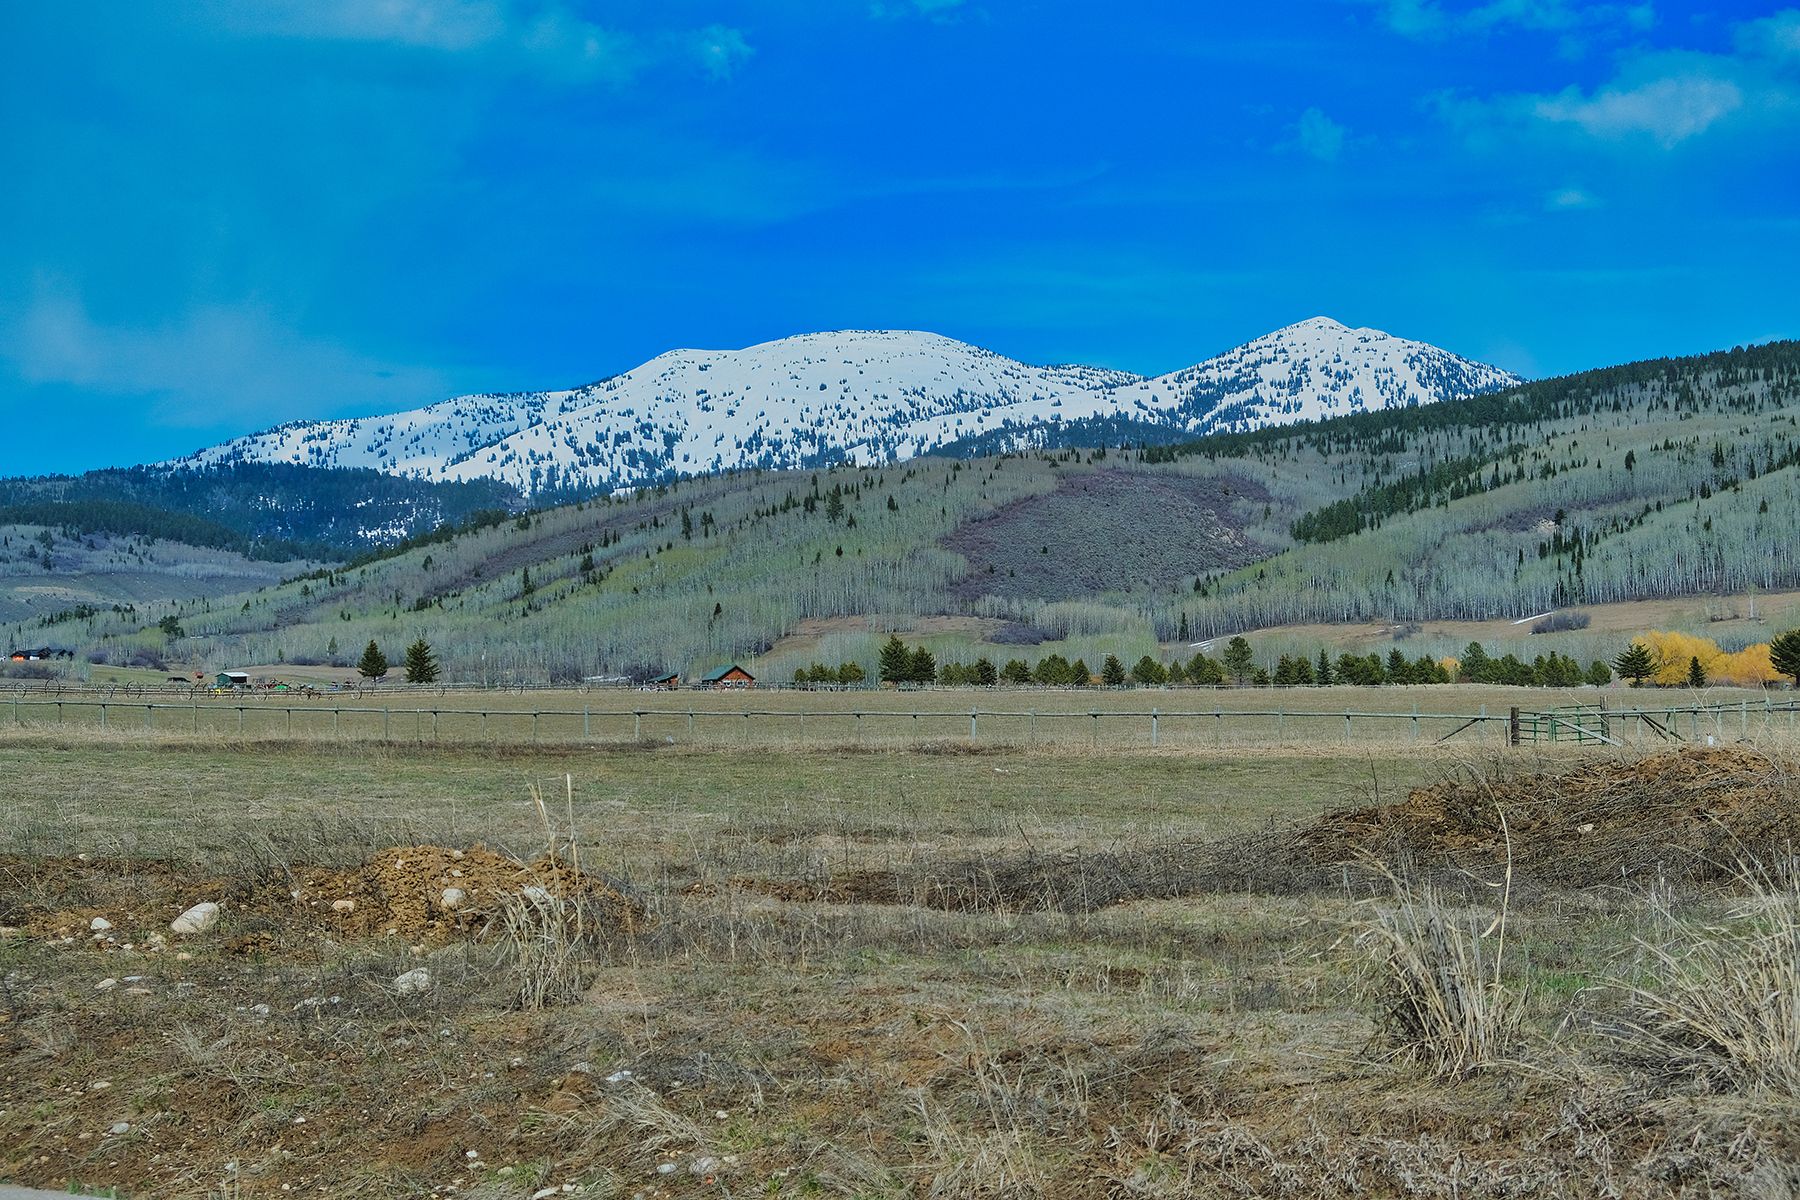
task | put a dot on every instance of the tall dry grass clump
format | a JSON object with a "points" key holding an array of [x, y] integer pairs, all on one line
{"points": [[1446, 1003], [545, 927], [1719, 1002]]}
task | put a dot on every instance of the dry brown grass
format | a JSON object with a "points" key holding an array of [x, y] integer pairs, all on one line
{"points": [[1717, 1003]]}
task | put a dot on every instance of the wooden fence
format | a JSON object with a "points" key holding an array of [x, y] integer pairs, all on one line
{"points": [[264, 719]]}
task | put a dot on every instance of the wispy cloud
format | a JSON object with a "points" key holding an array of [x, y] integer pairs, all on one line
{"points": [[1571, 199], [1660, 100], [212, 365], [933, 10], [1319, 135], [543, 38], [1776, 37], [1434, 19], [1668, 110], [721, 50]]}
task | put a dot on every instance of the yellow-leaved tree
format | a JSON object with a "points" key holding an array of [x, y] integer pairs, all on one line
{"points": [[1673, 653]]}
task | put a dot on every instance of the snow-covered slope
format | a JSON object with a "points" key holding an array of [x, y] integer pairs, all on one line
{"points": [[869, 396]]}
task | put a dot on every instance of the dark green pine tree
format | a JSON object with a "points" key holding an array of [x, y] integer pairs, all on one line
{"points": [[1322, 673], [1696, 673], [896, 661], [1239, 659], [1112, 671], [374, 664], [421, 665], [1784, 654], [1635, 663], [922, 667]]}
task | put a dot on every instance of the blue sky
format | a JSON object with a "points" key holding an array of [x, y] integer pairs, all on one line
{"points": [[219, 215]]}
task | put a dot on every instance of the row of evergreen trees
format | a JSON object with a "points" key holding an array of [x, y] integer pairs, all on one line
{"points": [[1235, 664]]}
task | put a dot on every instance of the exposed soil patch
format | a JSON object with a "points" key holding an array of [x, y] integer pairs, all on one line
{"points": [[420, 893], [1155, 528], [1688, 817]]}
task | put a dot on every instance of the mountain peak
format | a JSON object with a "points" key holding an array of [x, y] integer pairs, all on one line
{"points": [[862, 395]]}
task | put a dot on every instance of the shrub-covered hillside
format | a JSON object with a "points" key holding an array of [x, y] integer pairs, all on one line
{"points": [[1660, 479]]}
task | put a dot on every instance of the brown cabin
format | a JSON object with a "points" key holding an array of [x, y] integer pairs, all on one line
{"points": [[733, 676]]}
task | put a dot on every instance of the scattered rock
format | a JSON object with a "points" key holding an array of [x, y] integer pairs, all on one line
{"points": [[452, 897], [261, 1010], [704, 1166], [343, 906], [413, 982], [120, 1129], [198, 919], [106, 985], [99, 924]]}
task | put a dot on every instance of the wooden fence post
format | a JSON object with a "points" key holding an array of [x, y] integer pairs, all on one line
{"points": [[1512, 727]]}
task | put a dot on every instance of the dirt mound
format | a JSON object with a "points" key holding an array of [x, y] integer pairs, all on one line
{"points": [[420, 893], [404, 891], [1689, 815]]}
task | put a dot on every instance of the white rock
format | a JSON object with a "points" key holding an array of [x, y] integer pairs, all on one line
{"points": [[123, 1127], [546, 1193], [343, 906], [99, 924], [535, 894], [261, 1010], [413, 982], [705, 1165], [665, 1168], [106, 985], [197, 919], [453, 897]]}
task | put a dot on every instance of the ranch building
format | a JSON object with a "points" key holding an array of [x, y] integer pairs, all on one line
{"points": [[733, 676]]}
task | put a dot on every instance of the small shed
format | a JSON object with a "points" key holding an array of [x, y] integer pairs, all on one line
{"points": [[234, 679], [733, 676], [667, 683]]}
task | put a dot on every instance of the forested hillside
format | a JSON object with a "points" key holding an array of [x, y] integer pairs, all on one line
{"points": [[1668, 478], [273, 512]]}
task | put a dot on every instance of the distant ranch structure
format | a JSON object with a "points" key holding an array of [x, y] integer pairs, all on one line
{"points": [[733, 676]]}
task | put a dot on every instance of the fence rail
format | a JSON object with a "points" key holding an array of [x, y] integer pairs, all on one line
{"points": [[1155, 727]]}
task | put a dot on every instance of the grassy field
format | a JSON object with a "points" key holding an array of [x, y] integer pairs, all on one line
{"points": [[998, 971]]}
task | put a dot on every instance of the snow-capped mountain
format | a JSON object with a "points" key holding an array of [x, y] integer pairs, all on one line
{"points": [[867, 396]]}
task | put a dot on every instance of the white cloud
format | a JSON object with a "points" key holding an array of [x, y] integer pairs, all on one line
{"points": [[1571, 199], [1319, 135], [1432, 19], [935, 10], [722, 50], [214, 364], [1668, 110], [1776, 37], [544, 38]]}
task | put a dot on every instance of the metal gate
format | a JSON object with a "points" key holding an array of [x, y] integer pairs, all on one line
{"points": [[1582, 724]]}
